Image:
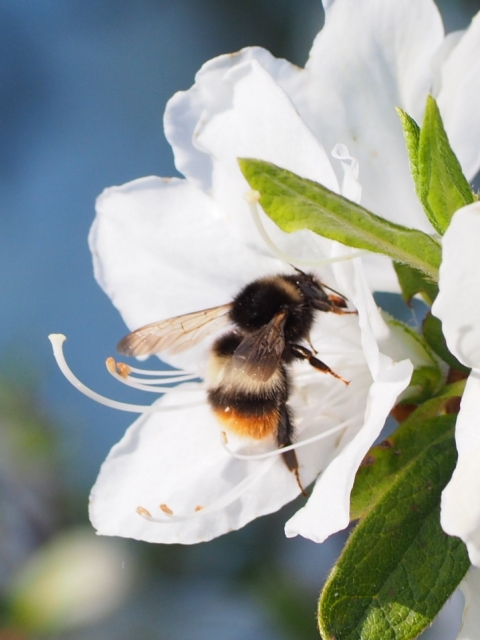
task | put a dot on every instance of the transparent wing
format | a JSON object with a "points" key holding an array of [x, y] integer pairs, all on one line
{"points": [[174, 335], [259, 355]]}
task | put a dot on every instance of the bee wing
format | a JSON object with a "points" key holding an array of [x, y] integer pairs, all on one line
{"points": [[174, 334], [259, 355]]}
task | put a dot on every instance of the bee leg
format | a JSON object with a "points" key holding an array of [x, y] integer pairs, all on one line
{"points": [[333, 306], [312, 347], [304, 354], [284, 439], [337, 301]]}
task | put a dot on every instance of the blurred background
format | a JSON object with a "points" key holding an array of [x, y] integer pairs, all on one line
{"points": [[83, 85]]}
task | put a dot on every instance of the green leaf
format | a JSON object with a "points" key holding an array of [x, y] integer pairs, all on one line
{"points": [[295, 203], [398, 567], [411, 132], [384, 462], [412, 281], [441, 185], [423, 384], [433, 334]]}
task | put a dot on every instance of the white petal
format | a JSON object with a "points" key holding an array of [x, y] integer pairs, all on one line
{"points": [[470, 587], [373, 56], [161, 248], [459, 98], [449, 43], [351, 187], [328, 508], [260, 122], [186, 110], [458, 303], [176, 459], [460, 514], [380, 273]]}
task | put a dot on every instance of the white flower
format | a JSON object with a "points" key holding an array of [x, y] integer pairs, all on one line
{"points": [[172, 460], [458, 306], [170, 463], [165, 247]]}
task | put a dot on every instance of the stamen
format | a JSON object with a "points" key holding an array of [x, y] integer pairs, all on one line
{"points": [[155, 381], [252, 198], [172, 372], [116, 369], [123, 369], [295, 445], [145, 513], [222, 502], [166, 509], [57, 340]]}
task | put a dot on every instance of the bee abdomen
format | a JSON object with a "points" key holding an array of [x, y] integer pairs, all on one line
{"points": [[248, 416], [246, 406]]}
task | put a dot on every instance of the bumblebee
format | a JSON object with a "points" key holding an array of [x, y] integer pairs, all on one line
{"points": [[247, 375]]}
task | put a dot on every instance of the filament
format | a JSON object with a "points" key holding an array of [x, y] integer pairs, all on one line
{"points": [[162, 372], [57, 340], [252, 198], [145, 385], [295, 445]]}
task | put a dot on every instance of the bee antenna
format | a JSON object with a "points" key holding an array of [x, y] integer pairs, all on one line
{"points": [[297, 269]]}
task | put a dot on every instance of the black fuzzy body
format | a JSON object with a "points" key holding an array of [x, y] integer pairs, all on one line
{"points": [[255, 407]]}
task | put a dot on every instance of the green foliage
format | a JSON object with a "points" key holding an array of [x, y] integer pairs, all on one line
{"points": [[385, 461], [295, 203], [412, 281], [398, 567], [411, 132], [439, 181]]}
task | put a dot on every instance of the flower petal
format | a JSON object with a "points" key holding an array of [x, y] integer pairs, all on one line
{"points": [[458, 305], [328, 508], [460, 513], [371, 57], [186, 110], [470, 587], [459, 99], [260, 122], [176, 459]]}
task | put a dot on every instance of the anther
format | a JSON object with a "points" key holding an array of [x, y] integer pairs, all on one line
{"points": [[123, 369], [224, 438], [166, 509], [252, 196], [145, 513], [199, 507], [111, 365]]}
